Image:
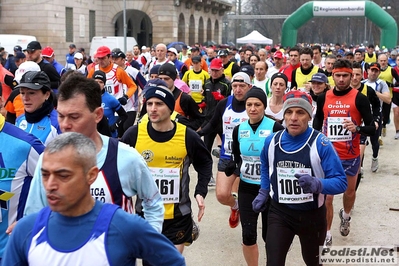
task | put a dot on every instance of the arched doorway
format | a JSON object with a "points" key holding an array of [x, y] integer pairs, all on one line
{"points": [[201, 30], [389, 28], [181, 29], [139, 26]]}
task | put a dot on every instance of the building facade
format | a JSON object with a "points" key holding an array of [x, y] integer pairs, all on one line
{"points": [[58, 23]]}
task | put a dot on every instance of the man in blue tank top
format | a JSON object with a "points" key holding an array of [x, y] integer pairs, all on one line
{"points": [[76, 229]]}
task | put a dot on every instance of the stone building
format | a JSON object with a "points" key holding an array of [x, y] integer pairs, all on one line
{"points": [[58, 23]]}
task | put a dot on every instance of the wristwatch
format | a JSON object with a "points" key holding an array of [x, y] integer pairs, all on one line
{"points": [[357, 129]]}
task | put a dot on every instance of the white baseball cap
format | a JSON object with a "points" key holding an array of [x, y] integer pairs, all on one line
{"points": [[25, 67]]}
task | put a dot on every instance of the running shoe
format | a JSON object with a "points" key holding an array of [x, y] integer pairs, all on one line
{"points": [[345, 226], [384, 132], [212, 182], [216, 152], [380, 141], [397, 135], [374, 164], [234, 218], [327, 242]]}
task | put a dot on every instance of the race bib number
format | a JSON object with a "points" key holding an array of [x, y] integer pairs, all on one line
{"points": [[168, 182], [336, 130], [289, 190], [108, 88], [228, 142], [250, 169], [99, 189], [195, 85]]}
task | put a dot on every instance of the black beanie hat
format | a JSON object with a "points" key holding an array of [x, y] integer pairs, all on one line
{"points": [[100, 75], [256, 92], [279, 75], [168, 70], [163, 94]]}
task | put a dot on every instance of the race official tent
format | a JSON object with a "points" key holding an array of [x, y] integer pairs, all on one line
{"points": [[256, 38]]}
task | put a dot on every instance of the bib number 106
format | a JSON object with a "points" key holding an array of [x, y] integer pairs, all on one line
{"points": [[290, 186]]}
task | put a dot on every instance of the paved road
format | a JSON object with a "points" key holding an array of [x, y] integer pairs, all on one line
{"points": [[372, 222]]}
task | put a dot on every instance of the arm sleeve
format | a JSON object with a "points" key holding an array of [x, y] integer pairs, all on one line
{"points": [[216, 119], [375, 103], [141, 81], [334, 181], [204, 65], [395, 75], [136, 179], [277, 127], [16, 251], [9, 80], [37, 196], [191, 109], [264, 169], [319, 117], [363, 105], [135, 234], [235, 69], [235, 148], [124, 78], [293, 80], [201, 160], [130, 136], [52, 74], [185, 77]]}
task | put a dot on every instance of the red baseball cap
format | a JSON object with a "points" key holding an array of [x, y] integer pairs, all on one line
{"points": [[216, 64], [47, 52], [103, 51], [278, 54]]}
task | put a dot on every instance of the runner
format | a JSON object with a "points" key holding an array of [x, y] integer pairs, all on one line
{"points": [[297, 172]]}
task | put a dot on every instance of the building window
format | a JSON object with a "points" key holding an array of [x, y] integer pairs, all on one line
{"points": [[68, 24], [92, 24]]}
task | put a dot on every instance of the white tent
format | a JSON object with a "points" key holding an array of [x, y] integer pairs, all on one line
{"points": [[256, 38]]}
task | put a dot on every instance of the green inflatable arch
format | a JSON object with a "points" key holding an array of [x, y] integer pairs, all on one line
{"points": [[369, 9]]}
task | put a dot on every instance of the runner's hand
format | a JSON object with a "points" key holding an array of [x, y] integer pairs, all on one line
{"points": [[259, 203], [310, 184], [201, 206]]}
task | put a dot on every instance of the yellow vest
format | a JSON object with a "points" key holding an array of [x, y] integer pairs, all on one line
{"points": [[301, 78], [386, 75], [166, 161], [368, 59], [227, 71], [331, 81], [364, 90], [195, 82]]}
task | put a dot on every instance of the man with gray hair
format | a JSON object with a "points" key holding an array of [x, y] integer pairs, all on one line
{"points": [[87, 231]]}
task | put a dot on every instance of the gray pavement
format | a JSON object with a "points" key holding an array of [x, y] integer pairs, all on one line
{"points": [[373, 224]]}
